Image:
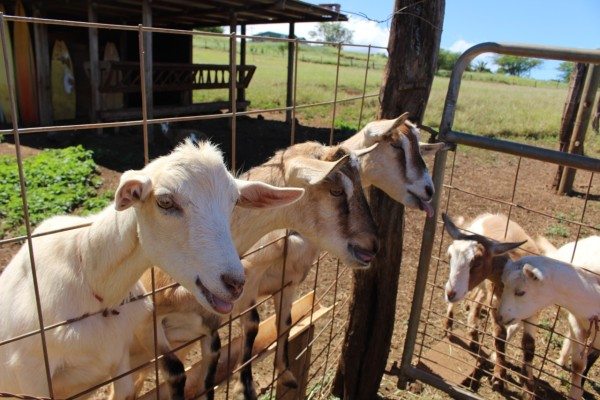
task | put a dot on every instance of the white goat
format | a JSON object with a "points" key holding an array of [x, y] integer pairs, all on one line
{"points": [[333, 213], [533, 283], [476, 263], [173, 213]]}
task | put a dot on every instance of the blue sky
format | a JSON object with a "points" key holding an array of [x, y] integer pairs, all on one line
{"points": [[468, 22], [548, 22]]}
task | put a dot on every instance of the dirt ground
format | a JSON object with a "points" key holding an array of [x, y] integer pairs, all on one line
{"points": [[469, 171]]}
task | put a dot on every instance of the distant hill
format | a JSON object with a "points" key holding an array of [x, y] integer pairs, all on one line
{"points": [[269, 34]]}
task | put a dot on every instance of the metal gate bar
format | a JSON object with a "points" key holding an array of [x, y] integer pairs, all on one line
{"points": [[447, 134]]}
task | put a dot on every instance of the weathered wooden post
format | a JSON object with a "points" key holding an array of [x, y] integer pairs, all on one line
{"points": [[413, 48], [584, 113], [569, 113]]}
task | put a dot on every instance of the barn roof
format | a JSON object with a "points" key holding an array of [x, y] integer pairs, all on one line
{"points": [[194, 13]]}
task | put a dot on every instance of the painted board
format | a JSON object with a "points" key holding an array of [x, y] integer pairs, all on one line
{"points": [[25, 70], [111, 101], [62, 83], [5, 116]]}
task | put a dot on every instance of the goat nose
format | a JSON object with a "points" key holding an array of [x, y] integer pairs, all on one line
{"points": [[429, 191], [233, 284], [451, 294]]}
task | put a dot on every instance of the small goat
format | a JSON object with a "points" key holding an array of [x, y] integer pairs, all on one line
{"points": [[173, 213], [533, 283], [333, 213], [477, 257]]}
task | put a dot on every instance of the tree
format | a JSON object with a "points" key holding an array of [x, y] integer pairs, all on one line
{"points": [[332, 32], [406, 87], [481, 66], [565, 68], [517, 66], [447, 59]]}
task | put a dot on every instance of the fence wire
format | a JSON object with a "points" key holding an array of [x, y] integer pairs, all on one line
{"points": [[324, 343]]}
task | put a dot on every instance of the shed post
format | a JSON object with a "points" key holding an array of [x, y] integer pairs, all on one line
{"points": [[232, 60], [42, 56], [584, 113], [94, 63], [290, 75], [148, 60], [241, 95], [406, 87]]}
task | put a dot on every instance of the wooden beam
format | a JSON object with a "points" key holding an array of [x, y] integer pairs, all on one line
{"points": [[232, 53], [42, 56], [289, 96], [94, 66]]}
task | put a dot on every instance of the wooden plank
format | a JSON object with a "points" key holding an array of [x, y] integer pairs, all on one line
{"points": [[42, 55], [241, 94], [265, 340], [453, 361], [299, 356]]}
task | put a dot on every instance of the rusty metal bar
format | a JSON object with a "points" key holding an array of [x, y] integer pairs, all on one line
{"points": [[23, 188]]}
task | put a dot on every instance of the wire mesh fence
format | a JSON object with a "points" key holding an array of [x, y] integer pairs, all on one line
{"points": [[319, 316]]}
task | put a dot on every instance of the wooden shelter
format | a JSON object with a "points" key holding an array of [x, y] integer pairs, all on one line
{"points": [[170, 73]]}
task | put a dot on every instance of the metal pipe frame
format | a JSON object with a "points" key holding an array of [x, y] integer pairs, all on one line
{"points": [[447, 134]]}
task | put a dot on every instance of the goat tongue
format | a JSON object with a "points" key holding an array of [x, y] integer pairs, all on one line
{"points": [[427, 207], [224, 307]]}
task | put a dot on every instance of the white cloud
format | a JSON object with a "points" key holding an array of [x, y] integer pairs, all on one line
{"points": [[460, 46]]}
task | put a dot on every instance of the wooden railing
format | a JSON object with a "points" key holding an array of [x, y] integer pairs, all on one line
{"points": [[124, 76]]}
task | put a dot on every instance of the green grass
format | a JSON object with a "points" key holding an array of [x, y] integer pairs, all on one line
{"points": [[520, 109], [58, 181]]}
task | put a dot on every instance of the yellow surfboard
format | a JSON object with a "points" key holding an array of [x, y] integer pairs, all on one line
{"points": [[112, 101], [4, 95], [62, 83], [25, 70]]}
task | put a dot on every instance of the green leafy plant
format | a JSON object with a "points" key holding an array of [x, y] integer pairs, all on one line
{"points": [[58, 181]]}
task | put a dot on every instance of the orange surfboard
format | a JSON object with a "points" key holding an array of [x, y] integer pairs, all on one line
{"points": [[25, 70]]}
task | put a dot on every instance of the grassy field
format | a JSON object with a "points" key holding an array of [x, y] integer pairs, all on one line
{"points": [[489, 104]]}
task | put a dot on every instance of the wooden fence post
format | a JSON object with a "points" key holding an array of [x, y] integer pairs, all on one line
{"points": [[570, 112], [415, 35], [584, 113]]}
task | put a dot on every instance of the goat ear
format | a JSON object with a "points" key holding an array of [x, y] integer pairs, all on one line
{"points": [[429, 149], [261, 195], [533, 273], [498, 248], [362, 152], [133, 188], [377, 130], [311, 172]]}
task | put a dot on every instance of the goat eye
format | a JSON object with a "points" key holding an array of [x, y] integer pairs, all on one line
{"points": [[336, 192], [165, 202], [519, 293], [397, 145]]}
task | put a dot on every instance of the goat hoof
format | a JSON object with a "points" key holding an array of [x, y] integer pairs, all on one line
{"points": [[497, 384], [288, 380]]}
